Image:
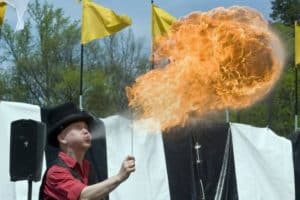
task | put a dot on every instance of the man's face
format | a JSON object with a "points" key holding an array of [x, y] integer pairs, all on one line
{"points": [[77, 136]]}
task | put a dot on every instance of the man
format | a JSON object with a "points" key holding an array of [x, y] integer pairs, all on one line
{"points": [[68, 177]]}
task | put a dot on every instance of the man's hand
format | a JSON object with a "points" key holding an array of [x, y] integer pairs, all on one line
{"points": [[102, 189], [128, 166]]}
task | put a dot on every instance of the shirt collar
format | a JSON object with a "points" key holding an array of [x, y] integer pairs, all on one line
{"points": [[70, 162]]}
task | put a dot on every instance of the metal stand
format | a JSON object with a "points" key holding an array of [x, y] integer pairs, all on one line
{"points": [[199, 167], [29, 189]]}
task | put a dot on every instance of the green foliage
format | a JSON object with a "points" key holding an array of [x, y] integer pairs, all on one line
{"points": [[286, 34], [285, 11], [284, 101], [42, 63]]}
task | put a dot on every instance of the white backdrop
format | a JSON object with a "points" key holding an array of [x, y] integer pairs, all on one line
{"points": [[263, 160], [263, 164], [11, 111], [150, 180]]}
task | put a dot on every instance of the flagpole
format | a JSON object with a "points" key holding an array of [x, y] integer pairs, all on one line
{"points": [[296, 98], [296, 83], [81, 77], [152, 43]]}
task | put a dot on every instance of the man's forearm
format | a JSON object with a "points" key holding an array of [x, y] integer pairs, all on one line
{"points": [[103, 188], [100, 190]]}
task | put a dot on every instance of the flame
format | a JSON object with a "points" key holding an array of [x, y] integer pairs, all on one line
{"points": [[220, 59]]}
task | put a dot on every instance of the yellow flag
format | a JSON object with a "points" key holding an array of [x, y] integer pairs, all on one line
{"points": [[297, 43], [98, 21], [2, 12], [161, 21]]}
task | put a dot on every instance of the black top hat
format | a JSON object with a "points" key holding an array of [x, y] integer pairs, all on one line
{"points": [[59, 117]]}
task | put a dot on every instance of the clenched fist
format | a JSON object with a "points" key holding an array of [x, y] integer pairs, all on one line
{"points": [[128, 166]]}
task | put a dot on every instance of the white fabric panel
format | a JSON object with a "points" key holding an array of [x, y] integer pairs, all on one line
{"points": [[263, 164], [150, 180], [21, 7], [11, 111]]}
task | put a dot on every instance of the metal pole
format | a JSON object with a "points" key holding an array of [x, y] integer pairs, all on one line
{"points": [[296, 98], [296, 85], [29, 189], [132, 132], [81, 75], [198, 164], [131, 118], [227, 116], [198, 168], [152, 45]]}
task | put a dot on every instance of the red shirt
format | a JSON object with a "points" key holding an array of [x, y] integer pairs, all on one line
{"points": [[61, 184]]}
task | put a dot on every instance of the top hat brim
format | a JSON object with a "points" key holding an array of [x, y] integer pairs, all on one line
{"points": [[62, 124]]}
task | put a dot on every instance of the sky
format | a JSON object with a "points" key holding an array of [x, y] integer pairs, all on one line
{"points": [[140, 10]]}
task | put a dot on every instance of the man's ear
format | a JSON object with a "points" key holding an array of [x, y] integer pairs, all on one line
{"points": [[61, 138]]}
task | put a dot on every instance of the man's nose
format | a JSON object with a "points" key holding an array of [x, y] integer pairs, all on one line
{"points": [[87, 132]]}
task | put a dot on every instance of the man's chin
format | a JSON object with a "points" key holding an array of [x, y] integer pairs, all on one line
{"points": [[87, 145]]}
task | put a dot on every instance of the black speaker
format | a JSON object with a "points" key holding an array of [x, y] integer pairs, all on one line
{"points": [[27, 143]]}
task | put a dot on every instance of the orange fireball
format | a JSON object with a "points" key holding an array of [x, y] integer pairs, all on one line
{"points": [[221, 59]]}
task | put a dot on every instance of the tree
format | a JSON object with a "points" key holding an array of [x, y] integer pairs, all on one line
{"points": [[42, 63], [123, 60], [38, 53], [285, 11]]}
